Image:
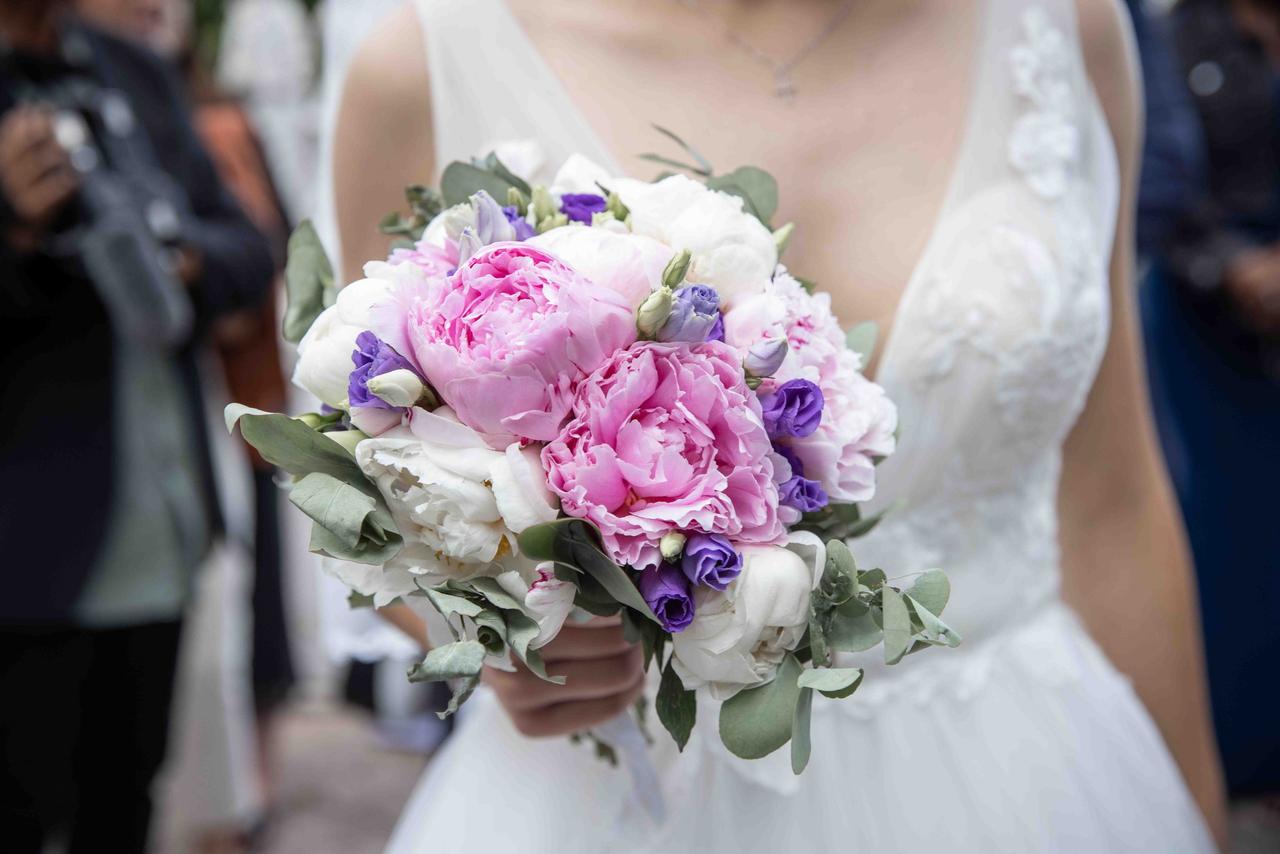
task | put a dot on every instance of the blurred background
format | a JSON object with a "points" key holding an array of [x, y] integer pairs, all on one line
{"points": [[290, 725]]}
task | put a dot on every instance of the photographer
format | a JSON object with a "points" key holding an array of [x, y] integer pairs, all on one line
{"points": [[118, 245]]}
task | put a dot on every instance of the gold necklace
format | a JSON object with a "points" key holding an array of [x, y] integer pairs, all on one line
{"points": [[782, 70]]}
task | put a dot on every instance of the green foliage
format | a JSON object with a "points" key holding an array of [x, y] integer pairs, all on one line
{"points": [[575, 544], [424, 204], [461, 181], [308, 280], [677, 708], [757, 721], [756, 187], [861, 339], [451, 661]]}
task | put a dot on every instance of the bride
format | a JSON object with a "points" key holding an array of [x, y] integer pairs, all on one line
{"points": [[964, 172]]}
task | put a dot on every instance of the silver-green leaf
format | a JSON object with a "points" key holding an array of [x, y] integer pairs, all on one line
{"points": [[308, 278], [457, 660], [833, 682], [897, 625], [861, 339], [757, 721]]}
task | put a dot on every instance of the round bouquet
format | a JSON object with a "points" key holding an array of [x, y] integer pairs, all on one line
{"points": [[610, 399]]}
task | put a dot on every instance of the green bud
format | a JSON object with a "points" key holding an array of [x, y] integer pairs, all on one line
{"points": [[552, 222], [653, 312], [517, 199], [544, 205], [782, 237], [753, 383], [617, 208], [677, 269], [312, 419], [601, 217], [348, 439], [672, 546]]}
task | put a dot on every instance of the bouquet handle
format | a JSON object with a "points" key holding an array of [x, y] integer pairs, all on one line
{"points": [[624, 735]]}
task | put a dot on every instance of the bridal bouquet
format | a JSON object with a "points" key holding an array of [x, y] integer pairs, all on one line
{"points": [[601, 397]]}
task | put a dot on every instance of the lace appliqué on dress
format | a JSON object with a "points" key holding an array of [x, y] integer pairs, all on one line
{"points": [[1045, 142]]}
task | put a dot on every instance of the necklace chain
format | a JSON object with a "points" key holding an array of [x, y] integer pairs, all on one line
{"points": [[781, 69]]}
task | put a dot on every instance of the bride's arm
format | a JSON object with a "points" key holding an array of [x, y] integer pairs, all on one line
{"points": [[1126, 565], [383, 140]]}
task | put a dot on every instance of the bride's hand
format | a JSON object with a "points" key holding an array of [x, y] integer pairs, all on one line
{"points": [[603, 676]]}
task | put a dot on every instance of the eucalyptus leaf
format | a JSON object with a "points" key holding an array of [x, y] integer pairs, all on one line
{"points": [[490, 589], [756, 187], [497, 167], [449, 604], [367, 551], [677, 707], [333, 504], [801, 743], [931, 590], [452, 661], [491, 630], [757, 721], [935, 631], [576, 543], [293, 446], [674, 164], [897, 625], [819, 651], [308, 279], [461, 693], [704, 165], [461, 181], [834, 682], [861, 339], [852, 627], [521, 631]]}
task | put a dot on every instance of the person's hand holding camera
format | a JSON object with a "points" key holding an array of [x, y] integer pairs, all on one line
{"points": [[36, 175]]}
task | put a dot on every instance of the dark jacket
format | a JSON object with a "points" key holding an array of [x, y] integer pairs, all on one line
{"points": [[1234, 89], [56, 380]]}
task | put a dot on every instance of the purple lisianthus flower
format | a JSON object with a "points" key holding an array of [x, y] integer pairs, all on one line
{"points": [[797, 467], [669, 596], [523, 230], [579, 207], [372, 357], [695, 310], [710, 559], [717, 329], [802, 494], [793, 409]]}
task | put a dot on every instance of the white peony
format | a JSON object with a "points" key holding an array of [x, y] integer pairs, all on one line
{"points": [[384, 583], [324, 353], [738, 637], [580, 174], [458, 503], [629, 264], [732, 250]]}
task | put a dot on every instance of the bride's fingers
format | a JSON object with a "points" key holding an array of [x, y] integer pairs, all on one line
{"points": [[584, 680], [587, 641], [567, 718]]}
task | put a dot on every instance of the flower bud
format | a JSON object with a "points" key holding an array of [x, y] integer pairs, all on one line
{"points": [[653, 312], [492, 225], [313, 419], [677, 269], [517, 200], [458, 218], [400, 387], [348, 439], [672, 546], [782, 237], [765, 357], [469, 243], [544, 205], [694, 312]]}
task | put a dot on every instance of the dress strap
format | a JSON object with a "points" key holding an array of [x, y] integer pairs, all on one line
{"points": [[490, 86]]}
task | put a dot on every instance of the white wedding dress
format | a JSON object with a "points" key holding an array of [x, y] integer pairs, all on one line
{"points": [[1025, 739]]}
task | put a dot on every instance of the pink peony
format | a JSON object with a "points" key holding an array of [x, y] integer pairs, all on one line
{"points": [[858, 419], [507, 338], [630, 264], [431, 259], [666, 437]]}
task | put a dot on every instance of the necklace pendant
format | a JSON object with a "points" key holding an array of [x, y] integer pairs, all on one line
{"points": [[784, 87]]}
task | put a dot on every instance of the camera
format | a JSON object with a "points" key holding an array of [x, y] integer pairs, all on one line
{"points": [[126, 222]]}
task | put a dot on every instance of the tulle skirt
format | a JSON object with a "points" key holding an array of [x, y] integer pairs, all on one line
{"points": [[1026, 742]]}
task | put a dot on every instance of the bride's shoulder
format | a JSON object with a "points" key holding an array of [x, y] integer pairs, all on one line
{"points": [[1110, 56], [389, 67]]}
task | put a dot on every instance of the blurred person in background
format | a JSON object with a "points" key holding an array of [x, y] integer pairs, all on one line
{"points": [[118, 248], [247, 345], [1212, 316]]}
